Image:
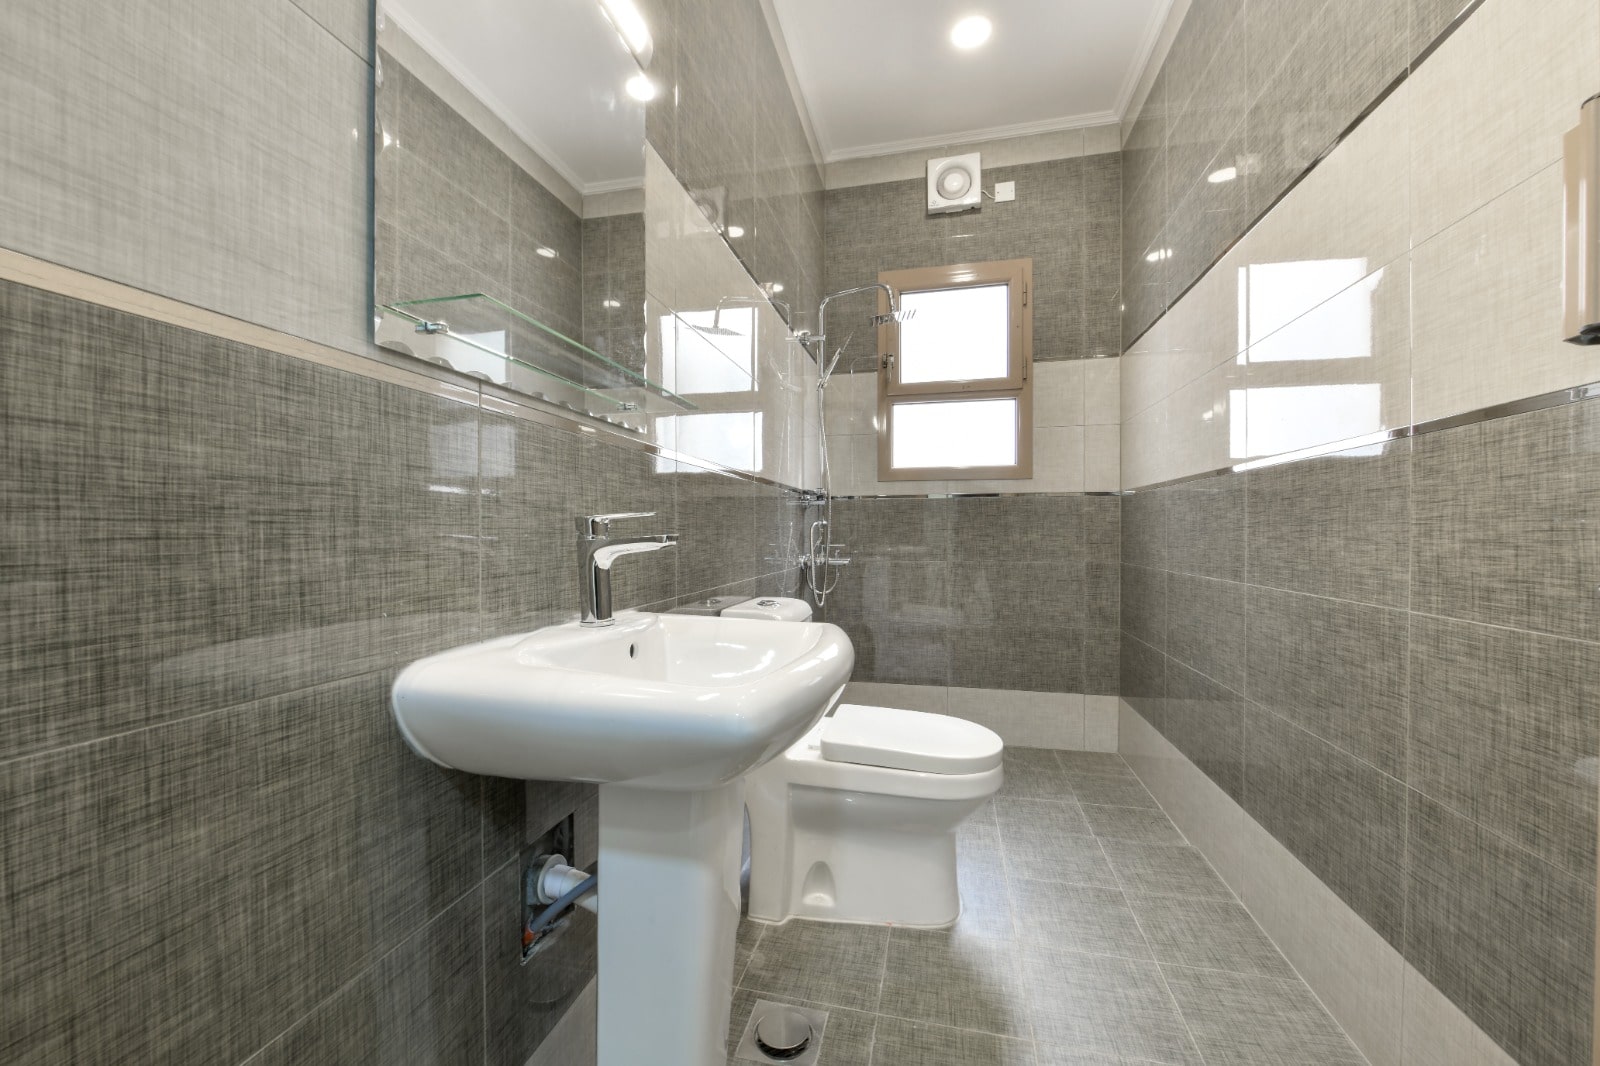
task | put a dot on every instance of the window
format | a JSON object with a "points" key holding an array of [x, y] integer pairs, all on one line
{"points": [[954, 376]]}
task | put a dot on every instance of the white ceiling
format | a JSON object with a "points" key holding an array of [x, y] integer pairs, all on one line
{"points": [[551, 70], [881, 76]]}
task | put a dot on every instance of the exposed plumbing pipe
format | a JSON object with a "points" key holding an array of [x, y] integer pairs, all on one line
{"points": [[557, 879], [560, 886]]}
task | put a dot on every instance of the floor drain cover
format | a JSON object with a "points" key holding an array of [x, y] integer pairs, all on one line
{"points": [[778, 1032]]}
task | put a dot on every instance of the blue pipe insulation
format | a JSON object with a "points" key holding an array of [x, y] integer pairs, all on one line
{"points": [[549, 914]]}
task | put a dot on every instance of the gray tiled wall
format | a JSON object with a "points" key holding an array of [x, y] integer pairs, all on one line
{"points": [[1015, 593], [1266, 88], [213, 153], [613, 273], [1391, 661], [1066, 218], [455, 215], [216, 847], [728, 128]]}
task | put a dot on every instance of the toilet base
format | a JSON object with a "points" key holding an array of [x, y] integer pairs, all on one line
{"points": [[879, 863]]}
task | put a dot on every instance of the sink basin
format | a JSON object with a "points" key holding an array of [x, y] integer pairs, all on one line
{"points": [[665, 713], [678, 702]]}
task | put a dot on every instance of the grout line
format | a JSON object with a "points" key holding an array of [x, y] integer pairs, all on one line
{"points": [[1156, 959], [347, 679], [420, 930], [483, 944]]}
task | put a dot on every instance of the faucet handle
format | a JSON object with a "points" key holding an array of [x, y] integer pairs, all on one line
{"points": [[599, 525]]}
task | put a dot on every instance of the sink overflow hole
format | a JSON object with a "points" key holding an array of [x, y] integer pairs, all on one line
{"points": [[633, 651]]}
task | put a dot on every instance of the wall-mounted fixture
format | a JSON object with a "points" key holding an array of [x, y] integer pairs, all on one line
{"points": [[955, 183], [1581, 324]]}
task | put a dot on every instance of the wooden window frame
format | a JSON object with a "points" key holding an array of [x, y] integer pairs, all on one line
{"points": [[1017, 275]]}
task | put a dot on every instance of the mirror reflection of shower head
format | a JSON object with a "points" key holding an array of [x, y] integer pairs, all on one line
{"points": [[714, 330]]}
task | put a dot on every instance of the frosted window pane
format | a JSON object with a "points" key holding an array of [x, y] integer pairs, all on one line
{"points": [[955, 335], [956, 433]]}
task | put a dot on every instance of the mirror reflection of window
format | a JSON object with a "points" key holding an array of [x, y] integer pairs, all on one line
{"points": [[731, 439]]}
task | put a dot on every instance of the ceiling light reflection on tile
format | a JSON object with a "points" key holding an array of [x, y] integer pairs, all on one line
{"points": [[641, 88]]}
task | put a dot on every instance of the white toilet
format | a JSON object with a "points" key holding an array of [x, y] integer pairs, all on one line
{"points": [[856, 822]]}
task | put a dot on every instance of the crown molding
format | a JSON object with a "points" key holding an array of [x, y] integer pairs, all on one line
{"points": [[410, 27], [786, 60], [1155, 30]]}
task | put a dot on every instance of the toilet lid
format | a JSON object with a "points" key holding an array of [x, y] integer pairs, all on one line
{"points": [[909, 740]]}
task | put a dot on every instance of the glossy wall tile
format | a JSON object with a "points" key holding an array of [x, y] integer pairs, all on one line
{"points": [[1396, 282], [219, 155], [1392, 681], [1010, 593], [217, 557], [1066, 218]]}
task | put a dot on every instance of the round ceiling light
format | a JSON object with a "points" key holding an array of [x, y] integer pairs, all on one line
{"points": [[971, 31]]}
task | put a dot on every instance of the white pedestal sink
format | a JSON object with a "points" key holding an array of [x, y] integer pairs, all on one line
{"points": [[665, 713]]}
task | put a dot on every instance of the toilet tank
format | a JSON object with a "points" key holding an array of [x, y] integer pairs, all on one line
{"points": [[771, 609]]}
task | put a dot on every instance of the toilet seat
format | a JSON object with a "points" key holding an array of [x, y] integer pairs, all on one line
{"points": [[807, 763], [898, 739]]}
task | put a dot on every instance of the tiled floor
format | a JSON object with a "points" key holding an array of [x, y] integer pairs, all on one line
{"points": [[1091, 934]]}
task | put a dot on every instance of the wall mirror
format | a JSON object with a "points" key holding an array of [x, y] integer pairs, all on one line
{"points": [[508, 203]]}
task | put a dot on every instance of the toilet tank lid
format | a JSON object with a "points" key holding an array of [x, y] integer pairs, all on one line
{"points": [[909, 740], [771, 609]]}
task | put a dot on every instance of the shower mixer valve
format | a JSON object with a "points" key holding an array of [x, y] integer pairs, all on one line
{"points": [[821, 551]]}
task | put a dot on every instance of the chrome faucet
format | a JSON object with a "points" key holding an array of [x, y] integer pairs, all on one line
{"points": [[597, 551]]}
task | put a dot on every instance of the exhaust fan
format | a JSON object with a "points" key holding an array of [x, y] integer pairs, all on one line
{"points": [[955, 183]]}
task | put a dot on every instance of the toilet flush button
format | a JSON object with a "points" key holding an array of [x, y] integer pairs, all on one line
{"points": [[783, 1033]]}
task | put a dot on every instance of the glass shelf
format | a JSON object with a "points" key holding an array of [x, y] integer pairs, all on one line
{"points": [[478, 335]]}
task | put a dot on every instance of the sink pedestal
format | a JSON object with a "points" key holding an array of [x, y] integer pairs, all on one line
{"points": [[669, 912]]}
